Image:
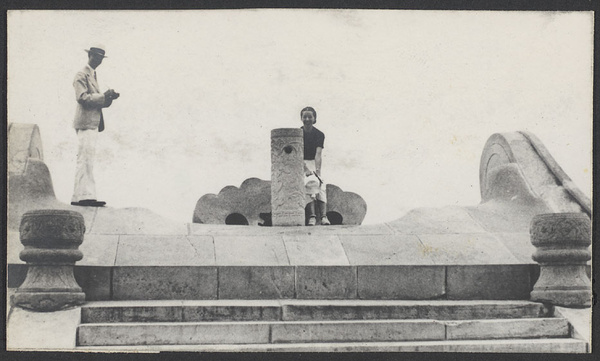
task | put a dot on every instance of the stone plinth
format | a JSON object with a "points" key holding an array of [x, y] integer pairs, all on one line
{"points": [[51, 239], [562, 241], [287, 177]]}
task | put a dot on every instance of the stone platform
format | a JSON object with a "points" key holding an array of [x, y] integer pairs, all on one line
{"points": [[479, 252], [470, 252], [450, 254], [445, 253]]}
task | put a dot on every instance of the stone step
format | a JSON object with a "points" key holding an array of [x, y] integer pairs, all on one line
{"points": [[186, 333], [545, 345], [304, 310]]}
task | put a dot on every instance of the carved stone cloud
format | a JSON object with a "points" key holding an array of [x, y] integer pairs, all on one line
{"points": [[250, 204]]}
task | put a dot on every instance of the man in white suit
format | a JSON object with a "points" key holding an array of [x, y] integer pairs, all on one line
{"points": [[87, 123]]}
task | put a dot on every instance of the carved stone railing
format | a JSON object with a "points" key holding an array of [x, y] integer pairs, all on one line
{"points": [[562, 243], [51, 239], [517, 167], [25, 143]]}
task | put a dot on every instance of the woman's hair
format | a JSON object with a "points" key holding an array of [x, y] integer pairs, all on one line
{"points": [[309, 109]]}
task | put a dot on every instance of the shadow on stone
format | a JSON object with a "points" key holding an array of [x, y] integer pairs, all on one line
{"points": [[266, 218], [335, 218], [236, 219]]}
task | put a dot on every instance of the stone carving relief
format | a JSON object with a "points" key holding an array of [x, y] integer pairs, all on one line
{"points": [[287, 177], [562, 243], [51, 239]]}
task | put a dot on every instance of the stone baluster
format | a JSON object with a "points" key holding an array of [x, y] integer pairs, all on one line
{"points": [[562, 243], [287, 177], [51, 239]]}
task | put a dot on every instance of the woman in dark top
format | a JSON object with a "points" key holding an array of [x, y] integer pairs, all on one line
{"points": [[314, 141]]}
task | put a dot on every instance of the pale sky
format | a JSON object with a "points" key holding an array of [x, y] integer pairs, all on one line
{"points": [[406, 99]]}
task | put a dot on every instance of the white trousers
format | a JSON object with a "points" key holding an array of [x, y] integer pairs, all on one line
{"points": [[321, 195], [85, 186]]}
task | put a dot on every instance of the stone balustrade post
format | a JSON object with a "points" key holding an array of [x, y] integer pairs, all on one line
{"points": [[51, 239], [287, 177], [562, 243]]}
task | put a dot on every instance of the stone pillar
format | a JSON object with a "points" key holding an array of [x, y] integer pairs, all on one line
{"points": [[562, 241], [51, 239], [287, 177]]}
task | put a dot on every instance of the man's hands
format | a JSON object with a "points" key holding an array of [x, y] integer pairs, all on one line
{"points": [[111, 94]]}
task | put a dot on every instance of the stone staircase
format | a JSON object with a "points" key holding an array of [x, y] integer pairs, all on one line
{"points": [[325, 325]]}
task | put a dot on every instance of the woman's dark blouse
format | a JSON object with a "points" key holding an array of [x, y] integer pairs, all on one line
{"points": [[312, 141]]}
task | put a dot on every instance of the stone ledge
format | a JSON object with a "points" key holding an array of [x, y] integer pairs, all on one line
{"points": [[401, 282], [257, 282], [297, 246], [454, 282], [144, 283], [326, 282], [488, 282]]}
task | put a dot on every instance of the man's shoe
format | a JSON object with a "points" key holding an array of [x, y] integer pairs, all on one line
{"points": [[89, 203], [312, 221], [325, 221]]}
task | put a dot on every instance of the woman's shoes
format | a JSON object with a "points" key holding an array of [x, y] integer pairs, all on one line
{"points": [[312, 221]]}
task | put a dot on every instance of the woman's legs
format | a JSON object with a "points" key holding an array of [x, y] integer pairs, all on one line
{"points": [[323, 213], [312, 215]]}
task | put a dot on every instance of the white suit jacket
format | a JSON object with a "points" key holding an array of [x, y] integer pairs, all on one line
{"points": [[90, 100]]}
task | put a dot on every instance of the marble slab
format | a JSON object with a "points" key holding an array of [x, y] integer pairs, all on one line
{"points": [[250, 251], [133, 221], [315, 251], [164, 283], [466, 249], [488, 282], [326, 282], [141, 250], [385, 250], [99, 250], [445, 220], [256, 282], [401, 282]]}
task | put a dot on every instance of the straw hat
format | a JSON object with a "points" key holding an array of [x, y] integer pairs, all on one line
{"points": [[97, 49]]}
